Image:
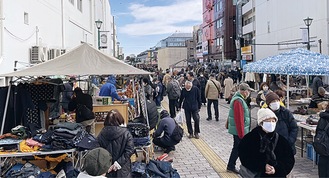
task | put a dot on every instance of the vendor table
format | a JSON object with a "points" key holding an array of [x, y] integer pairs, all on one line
{"points": [[70, 152], [310, 128], [122, 108]]}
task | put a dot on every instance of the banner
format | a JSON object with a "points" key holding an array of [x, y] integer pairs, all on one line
{"points": [[103, 40]]}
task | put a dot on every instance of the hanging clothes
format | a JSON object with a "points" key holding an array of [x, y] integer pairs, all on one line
{"points": [[250, 77], [54, 108]]}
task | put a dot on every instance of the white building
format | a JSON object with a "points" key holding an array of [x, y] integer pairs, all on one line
{"points": [[281, 22], [53, 26]]}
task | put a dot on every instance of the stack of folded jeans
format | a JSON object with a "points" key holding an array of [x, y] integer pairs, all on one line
{"points": [[64, 132]]}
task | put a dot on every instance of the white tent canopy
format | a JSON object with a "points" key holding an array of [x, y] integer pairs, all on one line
{"points": [[82, 60]]}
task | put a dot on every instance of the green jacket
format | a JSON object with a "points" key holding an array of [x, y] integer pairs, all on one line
{"points": [[232, 129]]}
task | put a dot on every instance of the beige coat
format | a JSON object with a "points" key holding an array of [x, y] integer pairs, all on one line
{"points": [[211, 91], [228, 84]]}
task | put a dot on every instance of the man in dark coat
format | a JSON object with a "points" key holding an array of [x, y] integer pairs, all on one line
{"points": [[67, 94], [263, 151], [286, 125], [166, 126], [118, 141], [192, 103], [80, 98]]}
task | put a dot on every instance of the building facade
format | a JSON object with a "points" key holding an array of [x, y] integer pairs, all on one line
{"points": [[248, 31], [280, 26], [36, 31]]}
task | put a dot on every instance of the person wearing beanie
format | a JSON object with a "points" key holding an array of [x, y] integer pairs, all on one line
{"points": [[238, 122], [264, 151], [166, 126], [318, 98], [286, 125], [96, 163]]}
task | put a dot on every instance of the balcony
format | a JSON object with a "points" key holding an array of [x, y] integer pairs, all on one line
{"points": [[247, 7], [247, 28]]}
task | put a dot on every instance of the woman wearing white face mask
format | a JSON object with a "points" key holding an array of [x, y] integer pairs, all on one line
{"points": [[286, 125], [265, 152]]}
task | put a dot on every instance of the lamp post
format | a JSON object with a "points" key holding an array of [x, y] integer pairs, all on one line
{"points": [[99, 25], [308, 22]]}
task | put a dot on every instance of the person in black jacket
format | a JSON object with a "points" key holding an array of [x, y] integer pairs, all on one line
{"points": [[118, 141], [264, 152], [323, 165], [192, 103], [80, 98], [286, 125], [166, 126]]}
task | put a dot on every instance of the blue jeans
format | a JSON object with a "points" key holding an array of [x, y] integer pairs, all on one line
{"points": [[234, 153]]}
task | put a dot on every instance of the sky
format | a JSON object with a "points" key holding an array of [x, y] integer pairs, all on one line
{"points": [[141, 24]]}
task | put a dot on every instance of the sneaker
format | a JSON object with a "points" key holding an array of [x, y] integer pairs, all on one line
{"points": [[235, 171], [190, 136], [209, 119], [196, 136], [162, 157]]}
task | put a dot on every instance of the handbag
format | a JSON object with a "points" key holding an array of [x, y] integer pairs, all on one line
{"points": [[84, 113]]}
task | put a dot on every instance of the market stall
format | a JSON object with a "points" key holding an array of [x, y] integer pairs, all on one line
{"points": [[83, 60], [295, 62]]}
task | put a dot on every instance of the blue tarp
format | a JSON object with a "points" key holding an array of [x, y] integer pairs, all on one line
{"points": [[295, 62]]}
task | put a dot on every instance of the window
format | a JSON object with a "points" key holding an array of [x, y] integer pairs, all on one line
{"points": [[79, 4], [220, 5], [219, 23], [72, 2], [26, 18]]}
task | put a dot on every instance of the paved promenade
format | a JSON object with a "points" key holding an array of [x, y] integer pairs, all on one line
{"points": [[208, 156]]}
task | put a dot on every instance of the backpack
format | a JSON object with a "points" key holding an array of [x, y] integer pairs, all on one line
{"points": [[177, 133], [321, 139], [176, 89]]}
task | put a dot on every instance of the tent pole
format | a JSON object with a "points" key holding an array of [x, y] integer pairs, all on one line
{"points": [[6, 107], [307, 85], [288, 92]]}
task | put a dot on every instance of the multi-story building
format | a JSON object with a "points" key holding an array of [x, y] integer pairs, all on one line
{"points": [[172, 49], [197, 37], [219, 30], [36, 31], [248, 30], [280, 26]]}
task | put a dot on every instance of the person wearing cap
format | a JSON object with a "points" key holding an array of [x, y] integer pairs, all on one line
{"points": [[165, 126], [264, 151], [96, 163], [238, 122], [118, 141], [286, 125], [318, 98]]}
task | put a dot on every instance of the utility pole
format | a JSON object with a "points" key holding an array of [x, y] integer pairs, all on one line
{"points": [[238, 22], [320, 45], [114, 38]]}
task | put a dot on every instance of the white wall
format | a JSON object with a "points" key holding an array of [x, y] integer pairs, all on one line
{"points": [[170, 55], [285, 18], [46, 15]]}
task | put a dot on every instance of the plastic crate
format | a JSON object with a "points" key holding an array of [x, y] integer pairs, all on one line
{"points": [[311, 153]]}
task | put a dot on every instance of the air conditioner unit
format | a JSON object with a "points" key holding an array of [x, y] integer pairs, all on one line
{"points": [[63, 51], [38, 54], [58, 52]]}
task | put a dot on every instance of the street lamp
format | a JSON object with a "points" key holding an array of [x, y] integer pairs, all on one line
{"points": [[99, 25], [308, 22]]}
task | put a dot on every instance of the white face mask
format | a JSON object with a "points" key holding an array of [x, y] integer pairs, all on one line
{"points": [[275, 106], [269, 126]]}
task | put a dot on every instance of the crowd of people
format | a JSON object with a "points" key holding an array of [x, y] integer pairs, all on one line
{"points": [[264, 151]]}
